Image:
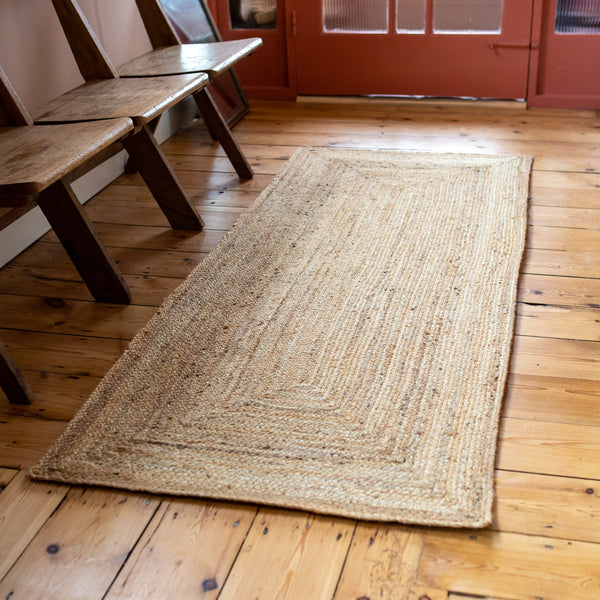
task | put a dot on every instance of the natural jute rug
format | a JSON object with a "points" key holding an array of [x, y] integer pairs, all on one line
{"points": [[343, 350]]}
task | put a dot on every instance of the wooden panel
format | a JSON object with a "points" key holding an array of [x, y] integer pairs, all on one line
{"points": [[559, 322], [138, 196], [65, 283], [186, 551], [572, 189], [555, 358], [379, 107], [291, 547], [508, 565], [559, 216], [132, 261], [25, 505], [560, 507], [188, 161], [565, 239], [559, 291], [155, 238], [382, 563], [57, 396], [548, 398], [54, 315], [214, 217], [562, 156], [560, 263], [193, 180], [452, 596], [551, 448], [419, 592], [81, 548], [66, 354], [514, 127], [5, 477], [501, 117], [23, 441]]}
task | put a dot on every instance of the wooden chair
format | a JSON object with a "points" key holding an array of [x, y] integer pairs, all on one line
{"points": [[105, 95], [169, 57], [38, 162]]}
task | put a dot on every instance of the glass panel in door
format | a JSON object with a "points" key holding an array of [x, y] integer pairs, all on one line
{"points": [[355, 16], [467, 16], [577, 16], [411, 16]]}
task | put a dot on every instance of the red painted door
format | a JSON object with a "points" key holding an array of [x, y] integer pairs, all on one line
{"points": [[472, 48], [269, 72], [565, 65]]}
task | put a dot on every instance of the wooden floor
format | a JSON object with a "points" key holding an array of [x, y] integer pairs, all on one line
{"points": [[58, 541]]}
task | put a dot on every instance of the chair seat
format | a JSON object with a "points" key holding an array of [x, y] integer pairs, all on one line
{"points": [[213, 58], [34, 157], [140, 99]]}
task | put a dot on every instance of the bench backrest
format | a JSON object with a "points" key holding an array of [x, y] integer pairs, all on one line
{"points": [[12, 110], [92, 60], [157, 24]]}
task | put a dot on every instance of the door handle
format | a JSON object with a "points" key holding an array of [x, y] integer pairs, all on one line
{"points": [[493, 44]]}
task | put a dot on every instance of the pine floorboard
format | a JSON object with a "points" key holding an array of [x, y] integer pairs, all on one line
{"points": [[73, 542]]}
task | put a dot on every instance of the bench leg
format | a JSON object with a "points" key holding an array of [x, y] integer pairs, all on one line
{"points": [[212, 131], [218, 128], [11, 381], [129, 164], [152, 165], [75, 232]]}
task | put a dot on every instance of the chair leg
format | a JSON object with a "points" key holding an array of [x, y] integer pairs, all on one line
{"points": [[129, 164], [152, 165], [212, 131], [218, 127], [75, 231], [12, 382]]}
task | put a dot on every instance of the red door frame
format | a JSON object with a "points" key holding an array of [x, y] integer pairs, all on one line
{"points": [[264, 77], [564, 68], [270, 73]]}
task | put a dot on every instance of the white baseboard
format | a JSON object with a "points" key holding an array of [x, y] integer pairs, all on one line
{"points": [[30, 227]]}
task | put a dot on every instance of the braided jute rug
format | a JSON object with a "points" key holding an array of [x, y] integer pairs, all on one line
{"points": [[343, 350]]}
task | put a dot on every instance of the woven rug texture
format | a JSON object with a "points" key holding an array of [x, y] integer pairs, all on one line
{"points": [[343, 350]]}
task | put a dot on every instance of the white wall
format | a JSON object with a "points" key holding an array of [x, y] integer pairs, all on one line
{"points": [[36, 56], [37, 59]]}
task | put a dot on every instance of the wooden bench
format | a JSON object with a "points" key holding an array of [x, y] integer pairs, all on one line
{"points": [[170, 57], [35, 165]]}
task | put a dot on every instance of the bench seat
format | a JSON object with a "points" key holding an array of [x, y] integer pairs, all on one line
{"points": [[142, 100], [33, 158], [213, 58]]}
